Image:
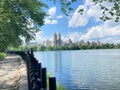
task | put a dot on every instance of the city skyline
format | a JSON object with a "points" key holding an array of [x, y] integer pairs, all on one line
{"points": [[56, 41]]}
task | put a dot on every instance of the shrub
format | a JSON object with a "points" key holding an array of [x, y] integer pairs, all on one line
{"points": [[2, 56]]}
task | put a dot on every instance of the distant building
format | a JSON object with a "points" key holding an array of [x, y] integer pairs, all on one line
{"points": [[70, 42], [56, 41], [81, 42], [88, 43], [59, 42], [93, 43], [98, 42], [47, 43]]}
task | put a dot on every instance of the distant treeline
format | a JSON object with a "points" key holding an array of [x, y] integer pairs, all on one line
{"points": [[75, 47]]}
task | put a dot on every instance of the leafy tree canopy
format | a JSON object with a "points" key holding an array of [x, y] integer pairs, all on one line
{"points": [[19, 18]]}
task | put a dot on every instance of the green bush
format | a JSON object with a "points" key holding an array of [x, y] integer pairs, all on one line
{"points": [[2, 56], [59, 87]]}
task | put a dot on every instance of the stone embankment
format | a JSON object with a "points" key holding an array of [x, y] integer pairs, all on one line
{"points": [[13, 73]]}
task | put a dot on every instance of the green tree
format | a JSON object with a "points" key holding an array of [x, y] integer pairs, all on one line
{"points": [[42, 48], [19, 18], [50, 48], [117, 46]]}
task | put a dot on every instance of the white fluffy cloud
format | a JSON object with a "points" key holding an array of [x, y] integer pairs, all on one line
{"points": [[52, 12], [88, 2], [75, 36], [59, 16], [104, 32], [39, 37], [78, 20], [94, 11], [50, 18], [50, 21]]}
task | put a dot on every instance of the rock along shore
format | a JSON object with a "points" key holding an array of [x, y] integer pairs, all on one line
{"points": [[13, 73]]}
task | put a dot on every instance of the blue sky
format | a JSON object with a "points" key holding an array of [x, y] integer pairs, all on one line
{"points": [[87, 27]]}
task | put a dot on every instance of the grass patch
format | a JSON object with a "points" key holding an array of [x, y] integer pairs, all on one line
{"points": [[59, 87], [2, 56], [48, 75]]}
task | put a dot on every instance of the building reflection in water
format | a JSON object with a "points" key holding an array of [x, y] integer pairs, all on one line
{"points": [[57, 58]]}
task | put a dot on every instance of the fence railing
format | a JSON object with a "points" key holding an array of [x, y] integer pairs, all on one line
{"points": [[37, 76]]}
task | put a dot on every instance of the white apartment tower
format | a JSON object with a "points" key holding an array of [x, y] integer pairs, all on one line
{"points": [[56, 41]]}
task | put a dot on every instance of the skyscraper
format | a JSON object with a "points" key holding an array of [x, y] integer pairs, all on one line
{"points": [[54, 41], [59, 40]]}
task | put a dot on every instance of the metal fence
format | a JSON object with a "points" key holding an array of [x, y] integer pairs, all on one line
{"points": [[37, 76]]}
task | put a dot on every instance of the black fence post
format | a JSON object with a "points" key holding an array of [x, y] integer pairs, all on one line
{"points": [[44, 78], [32, 52], [36, 65], [52, 83], [28, 72], [40, 75]]}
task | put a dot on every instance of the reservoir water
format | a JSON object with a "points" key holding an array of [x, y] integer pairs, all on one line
{"points": [[83, 69]]}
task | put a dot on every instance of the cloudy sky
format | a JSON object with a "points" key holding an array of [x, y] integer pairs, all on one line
{"points": [[79, 27]]}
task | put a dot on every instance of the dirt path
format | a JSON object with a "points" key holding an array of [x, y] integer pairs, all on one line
{"points": [[13, 73]]}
